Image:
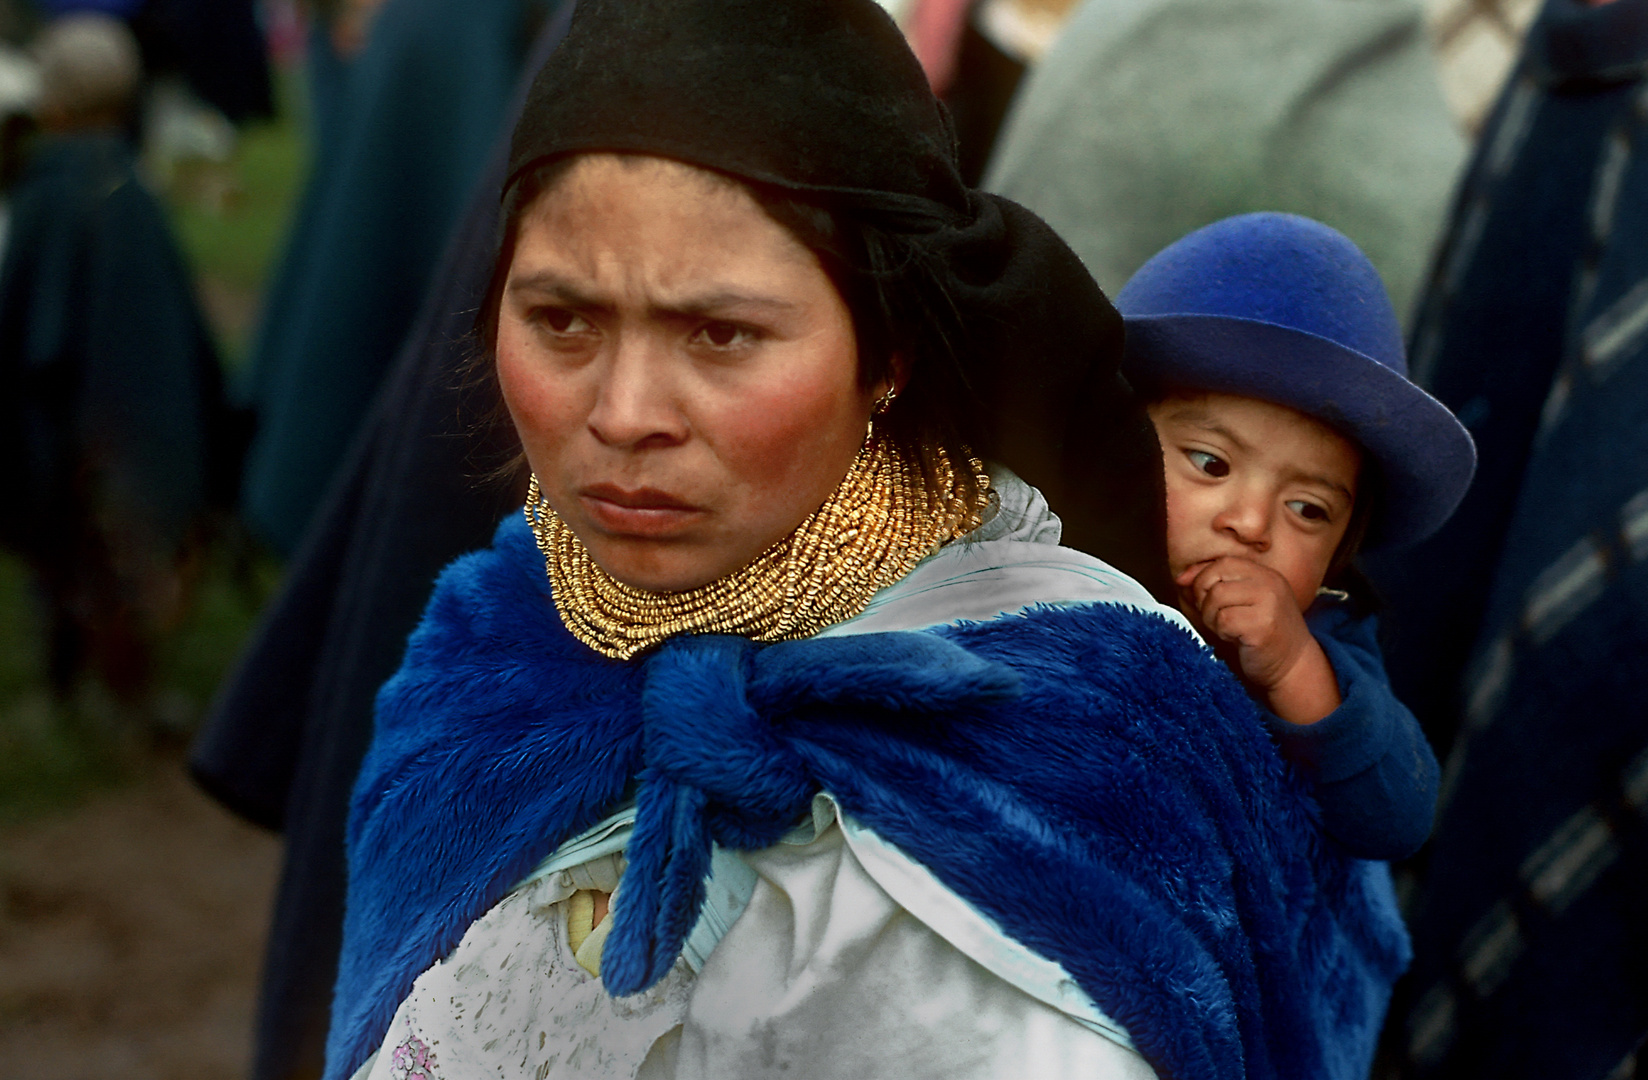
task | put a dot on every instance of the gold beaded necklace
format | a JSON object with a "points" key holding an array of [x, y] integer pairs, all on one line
{"points": [[870, 532]]}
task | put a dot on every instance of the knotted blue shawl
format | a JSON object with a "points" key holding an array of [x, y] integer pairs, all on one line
{"points": [[1089, 777]]}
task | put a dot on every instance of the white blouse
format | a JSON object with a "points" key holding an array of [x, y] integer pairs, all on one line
{"points": [[829, 955]]}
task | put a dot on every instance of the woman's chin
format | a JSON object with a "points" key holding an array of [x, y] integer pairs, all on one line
{"points": [[657, 566]]}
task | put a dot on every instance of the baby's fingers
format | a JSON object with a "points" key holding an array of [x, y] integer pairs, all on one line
{"points": [[1238, 623], [1219, 572], [1227, 593]]}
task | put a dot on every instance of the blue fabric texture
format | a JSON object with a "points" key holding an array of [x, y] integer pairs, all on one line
{"points": [[1180, 872], [1286, 309], [1375, 774]]}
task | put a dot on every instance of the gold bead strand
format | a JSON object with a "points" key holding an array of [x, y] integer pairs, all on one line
{"points": [[879, 522]]}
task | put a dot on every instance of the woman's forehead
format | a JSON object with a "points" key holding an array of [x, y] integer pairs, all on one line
{"points": [[594, 173], [678, 234]]}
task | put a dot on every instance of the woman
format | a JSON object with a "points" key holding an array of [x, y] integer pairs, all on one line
{"points": [[667, 786]]}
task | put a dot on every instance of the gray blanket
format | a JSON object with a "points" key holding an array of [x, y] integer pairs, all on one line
{"points": [[1151, 118]]}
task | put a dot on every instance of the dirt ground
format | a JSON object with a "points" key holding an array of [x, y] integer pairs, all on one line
{"points": [[131, 936]]}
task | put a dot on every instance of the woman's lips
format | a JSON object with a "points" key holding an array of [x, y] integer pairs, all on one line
{"points": [[641, 512]]}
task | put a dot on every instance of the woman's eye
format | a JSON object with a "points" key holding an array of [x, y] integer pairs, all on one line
{"points": [[562, 321], [1307, 510], [723, 335], [1209, 464]]}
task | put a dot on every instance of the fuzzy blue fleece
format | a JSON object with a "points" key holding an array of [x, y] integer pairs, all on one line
{"points": [[1179, 871]]}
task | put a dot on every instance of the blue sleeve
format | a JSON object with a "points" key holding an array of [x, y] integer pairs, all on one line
{"points": [[1375, 774]]}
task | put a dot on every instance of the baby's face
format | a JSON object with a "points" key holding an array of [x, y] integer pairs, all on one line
{"points": [[1254, 480]]}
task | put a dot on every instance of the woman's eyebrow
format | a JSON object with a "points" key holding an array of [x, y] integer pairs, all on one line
{"points": [[551, 284], [548, 283], [711, 303]]}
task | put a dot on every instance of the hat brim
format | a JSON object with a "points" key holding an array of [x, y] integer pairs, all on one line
{"points": [[1425, 456]]}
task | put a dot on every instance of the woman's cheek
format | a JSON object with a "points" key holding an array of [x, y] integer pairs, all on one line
{"points": [[795, 431], [541, 405]]}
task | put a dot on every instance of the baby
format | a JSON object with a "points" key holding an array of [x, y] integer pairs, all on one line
{"points": [[1274, 366]]}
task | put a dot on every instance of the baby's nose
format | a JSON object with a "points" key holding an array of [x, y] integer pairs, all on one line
{"points": [[1247, 521]]}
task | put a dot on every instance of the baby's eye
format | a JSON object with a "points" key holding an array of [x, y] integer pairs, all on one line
{"points": [[562, 321], [1308, 510], [723, 335], [1209, 464]]}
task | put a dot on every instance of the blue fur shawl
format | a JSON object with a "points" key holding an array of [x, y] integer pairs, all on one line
{"points": [[1177, 867]]}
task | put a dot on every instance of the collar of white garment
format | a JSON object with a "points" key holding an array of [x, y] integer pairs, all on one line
{"points": [[1011, 563]]}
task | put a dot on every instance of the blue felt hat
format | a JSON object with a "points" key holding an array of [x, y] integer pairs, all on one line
{"points": [[1284, 309]]}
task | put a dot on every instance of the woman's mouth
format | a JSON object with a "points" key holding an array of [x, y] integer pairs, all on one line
{"points": [[637, 512]]}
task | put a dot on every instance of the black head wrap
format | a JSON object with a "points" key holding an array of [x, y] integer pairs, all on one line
{"points": [[823, 98]]}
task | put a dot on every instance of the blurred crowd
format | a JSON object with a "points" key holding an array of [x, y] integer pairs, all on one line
{"points": [[122, 442], [1490, 157]]}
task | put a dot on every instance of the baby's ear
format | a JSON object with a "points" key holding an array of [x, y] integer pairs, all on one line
{"points": [[1366, 506]]}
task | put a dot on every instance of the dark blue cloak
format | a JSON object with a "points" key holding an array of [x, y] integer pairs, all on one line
{"points": [[1520, 633], [409, 129], [1180, 872], [110, 393]]}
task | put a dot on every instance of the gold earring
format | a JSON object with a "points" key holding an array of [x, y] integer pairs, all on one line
{"points": [[883, 403]]}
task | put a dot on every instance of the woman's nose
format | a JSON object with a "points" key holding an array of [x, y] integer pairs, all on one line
{"points": [[635, 403]]}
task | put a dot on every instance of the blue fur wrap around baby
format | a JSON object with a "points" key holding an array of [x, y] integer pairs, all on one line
{"points": [[1088, 777]]}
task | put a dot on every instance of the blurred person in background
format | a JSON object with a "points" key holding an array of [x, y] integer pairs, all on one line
{"points": [[117, 441], [975, 53], [216, 46], [408, 97], [1520, 631], [1148, 119]]}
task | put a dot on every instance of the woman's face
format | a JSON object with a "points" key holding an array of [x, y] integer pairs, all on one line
{"points": [[682, 373]]}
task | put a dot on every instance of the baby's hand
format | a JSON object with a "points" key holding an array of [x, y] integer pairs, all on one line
{"points": [[1252, 607]]}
